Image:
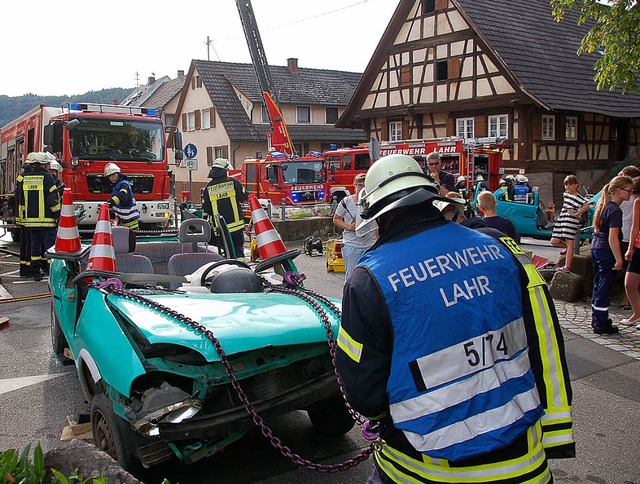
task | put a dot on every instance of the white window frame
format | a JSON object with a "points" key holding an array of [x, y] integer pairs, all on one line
{"points": [[466, 128], [571, 128], [191, 121], [206, 119], [298, 114], [395, 130], [498, 126], [548, 127]]}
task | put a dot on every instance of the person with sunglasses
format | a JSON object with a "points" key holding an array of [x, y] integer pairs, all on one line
{"points": [[606, 250], [444, 179]]}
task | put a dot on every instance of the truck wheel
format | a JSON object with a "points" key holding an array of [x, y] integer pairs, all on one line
{"points": [[58, 341], [111, 434], [331, 417]]}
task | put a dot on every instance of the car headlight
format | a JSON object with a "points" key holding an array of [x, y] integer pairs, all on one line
{"points": [[167, 404]]}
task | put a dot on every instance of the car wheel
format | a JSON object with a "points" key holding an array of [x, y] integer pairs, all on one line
{"points": [[58, 341], [331, 417], [113, 435]]}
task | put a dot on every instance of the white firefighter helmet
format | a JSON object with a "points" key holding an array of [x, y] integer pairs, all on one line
{"points": [[395, 181], [479, 178], [110, 169], [221, 163], [502, 181], [37, 157], [54, 165], [522, 179], [461, 178]]}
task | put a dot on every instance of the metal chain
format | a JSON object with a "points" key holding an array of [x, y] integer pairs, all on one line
{"points": [[257, 419]]}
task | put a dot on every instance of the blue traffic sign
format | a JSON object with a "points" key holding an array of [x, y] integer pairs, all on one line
{"points": [[190, 151]]}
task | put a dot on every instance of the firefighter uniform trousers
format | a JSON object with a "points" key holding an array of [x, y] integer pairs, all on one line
{"points": [[42, 205], [458, 393]]}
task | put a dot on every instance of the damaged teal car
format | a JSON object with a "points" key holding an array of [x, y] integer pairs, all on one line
{"points": [[178, 366]]}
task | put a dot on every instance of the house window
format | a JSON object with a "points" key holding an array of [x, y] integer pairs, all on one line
{"points": [[304, 114], [331, 115], [571, 128], [442, 70], [265, 115], [428, 6], [218, 152], [498, 126], [465, 128], [191, 121], [206, 118], [395, 130], [169, 119], [548, 127]]}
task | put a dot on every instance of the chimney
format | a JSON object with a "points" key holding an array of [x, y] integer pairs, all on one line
{"points": [[151, 80], [180, 73], [292, 63]]}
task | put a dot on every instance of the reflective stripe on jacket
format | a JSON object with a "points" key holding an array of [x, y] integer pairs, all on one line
{"points": [[461, 382], [223, 197]]}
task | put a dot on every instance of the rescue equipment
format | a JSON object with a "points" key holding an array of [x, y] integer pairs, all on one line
{"points": [[335, 262], [312, 243]]}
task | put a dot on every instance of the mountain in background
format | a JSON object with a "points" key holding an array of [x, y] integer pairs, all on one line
{"points": [[13, 107]]}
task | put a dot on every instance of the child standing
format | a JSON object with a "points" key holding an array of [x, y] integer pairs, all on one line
{"points": [[606, 251], [568, 223]]}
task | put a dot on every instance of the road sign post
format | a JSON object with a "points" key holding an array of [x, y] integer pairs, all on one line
{"points": [[191, 163]]}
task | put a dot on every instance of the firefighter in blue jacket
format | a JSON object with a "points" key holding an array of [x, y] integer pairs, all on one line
{"points": [[122, 200], [449, 345], [41, 211]]}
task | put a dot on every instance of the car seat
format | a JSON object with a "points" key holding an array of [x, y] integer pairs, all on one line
{"points": [[192, 231], [124, 244]]}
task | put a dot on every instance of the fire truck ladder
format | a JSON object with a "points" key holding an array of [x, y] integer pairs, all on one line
{"points": [[279, 136]]}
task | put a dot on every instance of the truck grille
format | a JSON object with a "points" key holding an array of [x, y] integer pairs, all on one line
{"points": [[100, 184]]}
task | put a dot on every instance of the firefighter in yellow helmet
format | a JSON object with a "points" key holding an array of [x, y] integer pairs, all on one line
{"points": [[41, 210], [455, 358]]}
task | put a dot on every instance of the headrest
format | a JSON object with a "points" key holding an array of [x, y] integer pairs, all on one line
{"points": [[124, 240], [194, 230]]}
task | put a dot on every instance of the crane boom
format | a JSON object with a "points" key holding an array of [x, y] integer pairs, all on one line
{"points": [[279, 136]]}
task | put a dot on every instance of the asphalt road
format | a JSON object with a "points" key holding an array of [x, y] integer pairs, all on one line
{"points": [[38, 392]]}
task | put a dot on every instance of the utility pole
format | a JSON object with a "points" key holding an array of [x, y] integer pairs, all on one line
{"points": [[137, 79], [208, 42]]}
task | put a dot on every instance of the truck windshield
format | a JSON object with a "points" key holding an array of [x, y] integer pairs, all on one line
{"points": [[117, 139], [304, 172]]}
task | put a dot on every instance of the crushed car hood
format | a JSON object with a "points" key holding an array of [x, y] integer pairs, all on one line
{"points": [[241, 322]]}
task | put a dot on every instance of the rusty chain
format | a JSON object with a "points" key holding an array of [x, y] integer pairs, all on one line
{"points": [[304, 294]]}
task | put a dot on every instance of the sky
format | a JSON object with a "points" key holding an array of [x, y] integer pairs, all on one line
{"points": [[74, 46]]}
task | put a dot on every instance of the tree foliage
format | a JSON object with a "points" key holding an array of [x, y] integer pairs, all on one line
{"points": [[615, 34]]}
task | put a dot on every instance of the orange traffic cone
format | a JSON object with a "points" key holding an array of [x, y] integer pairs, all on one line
{"points": [[270, 246], [67, 237], [102, 256]]}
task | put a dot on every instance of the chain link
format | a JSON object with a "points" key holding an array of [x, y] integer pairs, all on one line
{"points": [[310, 298]]}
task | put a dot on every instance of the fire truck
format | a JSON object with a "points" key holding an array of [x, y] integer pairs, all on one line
{"points": [[469, 158], [85, 137], [278, 178]]}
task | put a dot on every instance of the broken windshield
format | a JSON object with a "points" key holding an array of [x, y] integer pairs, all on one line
{"points": [[116, 139]]}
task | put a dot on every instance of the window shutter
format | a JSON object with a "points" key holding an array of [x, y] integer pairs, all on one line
{"points": [[193, 83], [480, 126], [454, 67], [225, 151], [405, 129], [212, 117], [209, 155], [451, 127], [537, 126], [198, 116], [384, 128], [184, 122]]}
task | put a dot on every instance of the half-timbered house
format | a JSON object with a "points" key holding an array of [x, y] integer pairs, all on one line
{"points": [[497, 68]]}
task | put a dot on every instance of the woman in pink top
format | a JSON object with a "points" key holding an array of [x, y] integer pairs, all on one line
{"points": [[632, 278]]}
